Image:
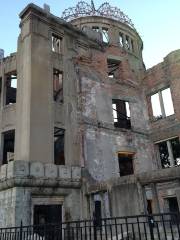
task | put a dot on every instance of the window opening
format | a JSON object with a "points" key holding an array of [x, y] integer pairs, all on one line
{"points": [[162, 105], [121, 114], [97, 213], [169, 152], [8, 146], [132, 45], [125, 163], [59, 158], [11, 87], [127, 43], [95, 28], [167, 102], [149, 206], [121, 39], [58, 85], [172, 207], [105, 35], [156, 107], [113, 68], [56, 43]]}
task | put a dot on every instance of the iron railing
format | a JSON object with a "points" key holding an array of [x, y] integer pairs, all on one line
{"points": [[141, 227]]}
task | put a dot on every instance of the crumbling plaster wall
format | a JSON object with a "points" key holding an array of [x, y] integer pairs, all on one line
{"points": [[7, 207], [125, 200], [102, 141]]}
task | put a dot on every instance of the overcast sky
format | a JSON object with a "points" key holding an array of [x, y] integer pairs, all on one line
{"points": [[157, 22]]}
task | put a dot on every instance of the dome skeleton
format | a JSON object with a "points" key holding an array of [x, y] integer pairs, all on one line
{"points": [[83, 9]]}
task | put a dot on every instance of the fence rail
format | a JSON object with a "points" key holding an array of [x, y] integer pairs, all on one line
{"points": [[141, 227]]}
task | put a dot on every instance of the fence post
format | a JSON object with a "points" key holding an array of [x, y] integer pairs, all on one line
{"points": [[95, 226], [151, 225], [21, 229]]}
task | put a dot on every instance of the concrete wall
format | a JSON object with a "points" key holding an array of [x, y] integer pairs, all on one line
{"points": [[21, 182]]}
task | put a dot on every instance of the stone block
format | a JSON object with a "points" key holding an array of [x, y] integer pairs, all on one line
{"points": [[65, 172], [36, 169], [18, 169], [3, 172], [10, 169], [76, 173], [51, 171]]}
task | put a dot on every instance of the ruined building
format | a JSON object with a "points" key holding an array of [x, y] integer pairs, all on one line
{"points": [[85, 128]]}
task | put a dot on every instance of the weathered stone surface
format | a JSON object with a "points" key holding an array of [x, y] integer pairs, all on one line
{"points": [[3, 173], [18, 169], [65, 172], [76, 173], [37, 169], [51, 170]]}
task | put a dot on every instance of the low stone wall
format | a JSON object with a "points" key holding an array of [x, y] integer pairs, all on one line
{"points": [[37, 169]]}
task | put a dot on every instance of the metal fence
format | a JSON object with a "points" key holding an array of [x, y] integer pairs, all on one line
{"points": [[141, 227]]}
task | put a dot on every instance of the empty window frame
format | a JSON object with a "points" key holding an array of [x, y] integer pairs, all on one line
{"points": [[97, 213], [10, 88], [121, 41], [57, 85], [105, 35], [149, 206], [104, 31], [56, 43], [171, 205], [125, 163], [59, 158], [121, 114], [95, 28], [113, 68], [162, 105], [169, 152], [8, 146], [127, 45], [132, 45]]}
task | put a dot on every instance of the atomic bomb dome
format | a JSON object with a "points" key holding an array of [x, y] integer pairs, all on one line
{"points": [[83, 9]]}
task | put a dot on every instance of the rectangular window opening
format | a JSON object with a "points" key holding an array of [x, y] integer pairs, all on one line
{"points": [[171, 204], [105, 35], [121, 114], [121, 39], [164, 154], [56, 44], [167, 102], [132, 45], [126, 163], [113, 68], [156, 107], [169, 152], [10, 88], [162, 104], [95, 28], [97, 213], [59, 158], [58, 85], [149, 206], [127, 42], [8, 146]]}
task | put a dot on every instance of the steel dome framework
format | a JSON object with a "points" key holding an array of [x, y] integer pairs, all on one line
{"points": [[83, 9]]}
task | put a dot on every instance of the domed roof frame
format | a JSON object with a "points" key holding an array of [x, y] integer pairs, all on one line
{"points": [[83, 9]]}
